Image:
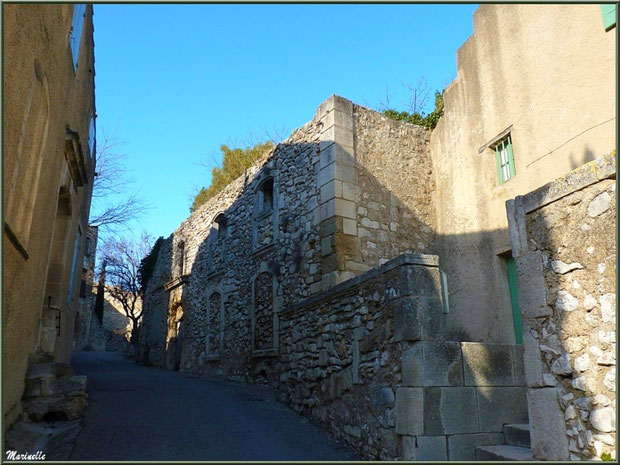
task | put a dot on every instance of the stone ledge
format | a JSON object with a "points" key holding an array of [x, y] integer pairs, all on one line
{"points": [[603, 167], [401, 260], [265, 353], [263, 250], [215, 273], [176, 282]]}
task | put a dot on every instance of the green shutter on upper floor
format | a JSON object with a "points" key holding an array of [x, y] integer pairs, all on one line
{"points": [[498, 160], [609, 15], [511, 160]]}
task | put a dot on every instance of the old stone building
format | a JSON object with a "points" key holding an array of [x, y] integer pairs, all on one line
{"points": [[49, 150], [368, 269]]}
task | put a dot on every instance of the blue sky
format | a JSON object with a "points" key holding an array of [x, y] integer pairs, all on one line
{"points": [[174, 82]]}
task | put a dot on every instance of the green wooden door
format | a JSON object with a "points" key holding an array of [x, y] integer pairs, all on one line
{"points": [[511, 269]]}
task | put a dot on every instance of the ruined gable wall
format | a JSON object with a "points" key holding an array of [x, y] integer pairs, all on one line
{"points": [[324, 166]]}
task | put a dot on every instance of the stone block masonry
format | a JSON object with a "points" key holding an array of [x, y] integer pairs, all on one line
{"points": [[563, 243]]}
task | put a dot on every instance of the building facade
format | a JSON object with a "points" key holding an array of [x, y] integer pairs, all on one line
{"points": [[366, 267], [49, 164]]}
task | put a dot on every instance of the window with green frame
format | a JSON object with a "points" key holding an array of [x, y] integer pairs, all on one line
{"points": [[609, 16], [505, 160]]}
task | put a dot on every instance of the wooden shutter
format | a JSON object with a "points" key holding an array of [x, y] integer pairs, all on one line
{"points": [[498, 159], [511, 160], [609, 16]]}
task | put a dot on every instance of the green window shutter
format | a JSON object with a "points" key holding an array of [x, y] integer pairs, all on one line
{"points": [[609, 16], [513, 287], [498, 159], [511, 160]]}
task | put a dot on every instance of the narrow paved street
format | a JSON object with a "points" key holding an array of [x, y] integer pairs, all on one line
{"points": [[146, 413]]}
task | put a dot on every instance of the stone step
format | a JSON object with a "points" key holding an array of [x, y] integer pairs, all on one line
{"points": [[56, 407], [517, 435], [54, 439], [52, 369], [503, 452]]}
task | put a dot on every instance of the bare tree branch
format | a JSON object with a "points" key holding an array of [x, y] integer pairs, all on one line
{"points": [[122, 257], [420, 93], [111, 180], [385, 104]]}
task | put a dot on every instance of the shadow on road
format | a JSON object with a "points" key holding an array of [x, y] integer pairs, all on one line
{"points": [[146, 413]]}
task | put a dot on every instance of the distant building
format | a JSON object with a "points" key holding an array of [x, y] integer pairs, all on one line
{"points": [[49, 164], [110, 329]]}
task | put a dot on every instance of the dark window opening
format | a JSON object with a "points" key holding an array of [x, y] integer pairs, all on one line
{"points": [[266, 196], [219, 226]]}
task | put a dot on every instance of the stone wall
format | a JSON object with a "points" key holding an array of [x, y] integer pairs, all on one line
{"points": [[301, 220], [48, 171], [562, 238], [395, 185], [364, 360]]}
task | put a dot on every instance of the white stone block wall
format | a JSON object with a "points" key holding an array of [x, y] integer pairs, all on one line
{"points": [[563, 241]]}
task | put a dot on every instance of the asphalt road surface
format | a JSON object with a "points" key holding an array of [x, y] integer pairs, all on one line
{"points": [[145, 413]]}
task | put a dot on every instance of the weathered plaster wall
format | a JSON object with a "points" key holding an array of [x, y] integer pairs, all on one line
{"points": [[549, 71], [42, 96], [565, 251]]}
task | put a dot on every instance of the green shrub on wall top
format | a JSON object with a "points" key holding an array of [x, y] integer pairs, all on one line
{"points": [[429, 121], [234, 163]]}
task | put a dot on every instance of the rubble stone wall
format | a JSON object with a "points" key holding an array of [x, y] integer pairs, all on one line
{"points": [[395, 208], [366, 361], [564, 243], [288, 229]]}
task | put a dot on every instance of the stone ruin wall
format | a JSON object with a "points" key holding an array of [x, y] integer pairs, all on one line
{"points": [[339, 362], [323, 310], [330, 195], [566, 265], [395, 208]]}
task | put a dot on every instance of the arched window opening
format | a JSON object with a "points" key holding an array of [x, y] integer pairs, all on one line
{"points": [[219, 227], [265, 214], [265, 196]]}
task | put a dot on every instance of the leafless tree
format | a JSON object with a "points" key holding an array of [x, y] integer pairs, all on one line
{"points": [[420, 93], [113, 206], [122, 257], [385, 103]]}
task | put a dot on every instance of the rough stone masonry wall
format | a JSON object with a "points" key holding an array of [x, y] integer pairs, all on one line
{"points": [[376, 191], [564, 244], [338, 360], [226, 269], [307, 243], [395, 208], [365, 361]]}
